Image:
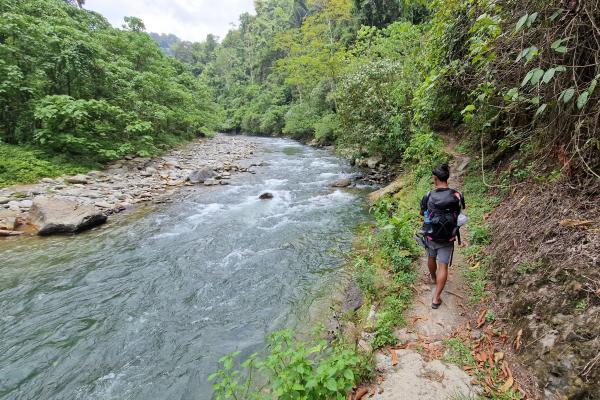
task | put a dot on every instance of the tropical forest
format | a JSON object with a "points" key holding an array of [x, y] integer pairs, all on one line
{"points": [[254, 215]]}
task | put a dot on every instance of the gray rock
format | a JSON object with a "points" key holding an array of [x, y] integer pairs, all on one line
{"points": [[5, 233], [266, 196], [4, 200], [53, 215], [77, 179], [353, 298], [342, 183], [210, 182], [373, 161], [201, 175], [103, 204], [25, 203]]}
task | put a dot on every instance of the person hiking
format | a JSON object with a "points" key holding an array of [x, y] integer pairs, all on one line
{"points": [[441, 208]]}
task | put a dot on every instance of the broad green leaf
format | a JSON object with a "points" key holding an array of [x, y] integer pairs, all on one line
{"points": [[567, 95], [548, 75], [331, 384], [536, 76], [560, 68], [561, 49], [527, 78], [348, 374], [468, 108], [556, 14], [582, 100], [540, 110], [592, 87], [521, 22], [531, 19]]}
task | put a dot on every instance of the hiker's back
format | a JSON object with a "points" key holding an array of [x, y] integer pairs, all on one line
{"points": [[443, 207]]}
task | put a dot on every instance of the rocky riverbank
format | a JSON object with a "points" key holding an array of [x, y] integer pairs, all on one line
{"points": [[44, 207]]}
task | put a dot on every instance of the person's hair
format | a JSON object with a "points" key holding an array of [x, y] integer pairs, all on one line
{"points": [[442, 172]]}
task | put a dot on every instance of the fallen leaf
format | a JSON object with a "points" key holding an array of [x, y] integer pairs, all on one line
{"points": [[506, 369], [475, 266], [394, 356], [481, 319], [418, 317], [360, 393], [481, 357], [498, 356], [575, 222], [507, 385], [518, 339]]}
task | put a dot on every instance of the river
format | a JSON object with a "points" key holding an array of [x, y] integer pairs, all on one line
{"points": [[143, 307]]}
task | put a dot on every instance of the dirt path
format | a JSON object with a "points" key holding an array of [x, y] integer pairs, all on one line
{"points": [[418, 372]]}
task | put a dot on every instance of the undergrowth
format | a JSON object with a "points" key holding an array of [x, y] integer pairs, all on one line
{"points": [[385, 269], [479, 205], [22, 164]]}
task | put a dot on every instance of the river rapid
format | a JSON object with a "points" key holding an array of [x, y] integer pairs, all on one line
{"points": [[143, 307]]}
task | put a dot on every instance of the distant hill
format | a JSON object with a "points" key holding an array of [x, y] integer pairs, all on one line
{"points": [[165, 41]]}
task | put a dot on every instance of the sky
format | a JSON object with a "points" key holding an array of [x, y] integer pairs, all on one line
{"points": [[189, 19]]}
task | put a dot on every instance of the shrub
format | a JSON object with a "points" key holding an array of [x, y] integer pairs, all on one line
{"points": [[292, 370]]}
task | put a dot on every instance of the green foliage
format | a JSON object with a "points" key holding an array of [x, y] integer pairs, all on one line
{"points": [[24, 164], [292, 370], [425, 151], [74, 85]]}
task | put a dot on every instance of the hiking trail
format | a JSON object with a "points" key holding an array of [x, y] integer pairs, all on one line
{"points": [[417, 371]]}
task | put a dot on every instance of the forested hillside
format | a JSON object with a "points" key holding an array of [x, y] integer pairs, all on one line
{"points": [[374, 77], [74, 86]]}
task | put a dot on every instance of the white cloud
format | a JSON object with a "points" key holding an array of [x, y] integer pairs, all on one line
{"points": [[188, 19]]}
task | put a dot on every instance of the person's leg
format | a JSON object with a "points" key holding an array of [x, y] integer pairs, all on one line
{"points": [[442, 277], [444, 257], [432, 265]]}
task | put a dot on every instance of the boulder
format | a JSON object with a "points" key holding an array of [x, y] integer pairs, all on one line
{"points": [[77, 179], [373, 161], [52, 215], [201, 175], [342, 183], [266, 196], [4, 200], [8, 220]]}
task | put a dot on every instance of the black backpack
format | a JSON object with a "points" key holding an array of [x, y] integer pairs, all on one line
{"points": [[443, 207]]}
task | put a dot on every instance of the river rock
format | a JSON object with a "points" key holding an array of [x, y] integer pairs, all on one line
{"points": [[77, 179], [210, 182], [5, 233], [373, 161], [25, 203], [8, 220], [52, 215], [342, 183], [4, 200], [266, 196], [201, 175]]}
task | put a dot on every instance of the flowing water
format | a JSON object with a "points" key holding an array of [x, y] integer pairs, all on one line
{"points": [[144, 307]]}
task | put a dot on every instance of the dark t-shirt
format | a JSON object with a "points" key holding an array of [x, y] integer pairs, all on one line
{"points": [[424, 200]]}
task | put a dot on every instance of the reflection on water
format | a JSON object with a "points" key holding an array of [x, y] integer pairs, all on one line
{"points": [[143, 308]]}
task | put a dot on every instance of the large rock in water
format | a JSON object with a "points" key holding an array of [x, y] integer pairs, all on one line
{"points": [[341, 183], [52, 215], [201, 175]]}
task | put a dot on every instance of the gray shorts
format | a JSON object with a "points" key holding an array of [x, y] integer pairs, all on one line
{"points": [[441, 251]]}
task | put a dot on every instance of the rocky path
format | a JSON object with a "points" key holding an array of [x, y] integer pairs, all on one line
{"points": [[416, 371], [121, 186]]}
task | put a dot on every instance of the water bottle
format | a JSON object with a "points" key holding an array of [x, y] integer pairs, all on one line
{"points": [[427, 224]]}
